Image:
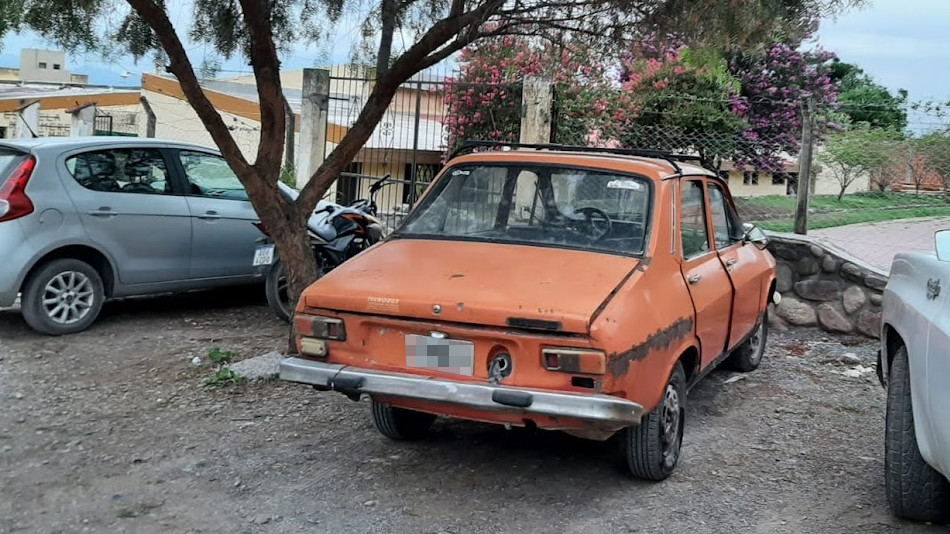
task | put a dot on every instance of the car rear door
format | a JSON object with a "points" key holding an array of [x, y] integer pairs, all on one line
{"points": [[704, 273], [130, 208], [221, 216], [937, 364], [741, 261]]}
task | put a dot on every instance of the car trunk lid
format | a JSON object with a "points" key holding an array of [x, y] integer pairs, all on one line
{"points": [[488, 284]]}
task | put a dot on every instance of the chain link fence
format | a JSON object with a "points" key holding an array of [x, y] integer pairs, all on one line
{"points": [[859, 174]]}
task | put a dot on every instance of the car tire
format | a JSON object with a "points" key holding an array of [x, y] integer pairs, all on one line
{"points": [[277, 291], [653, 447], [747, 356], [62, 297], [915, 490], [400, 423]]}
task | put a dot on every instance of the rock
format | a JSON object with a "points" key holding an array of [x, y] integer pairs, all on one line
{"points": [[796, 312], [817, 251], [869, 324], [820, 290], [196, 361], [850, 358], [783, 277], [262, 367], [877, 299], [852, 272], [261, 519], [853, 299], [18, 396], [875, 281], [829, 263], [808, 266], [785, 251], [370, 503], [832, 320], [777, 324]]}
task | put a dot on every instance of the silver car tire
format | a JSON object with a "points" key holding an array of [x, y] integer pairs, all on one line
{"points": [[62, 297]]}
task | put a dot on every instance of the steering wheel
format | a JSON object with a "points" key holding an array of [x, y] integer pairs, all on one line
{"points": [[605, 223]]}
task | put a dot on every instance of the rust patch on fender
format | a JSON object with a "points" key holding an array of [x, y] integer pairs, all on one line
{"points": [[619, 363]]}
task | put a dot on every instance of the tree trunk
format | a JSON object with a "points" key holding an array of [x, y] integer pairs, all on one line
{"points": [[388, 19], [841, 193]]}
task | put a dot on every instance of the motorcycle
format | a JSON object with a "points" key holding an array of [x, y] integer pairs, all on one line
{"points": [[337, 233]]}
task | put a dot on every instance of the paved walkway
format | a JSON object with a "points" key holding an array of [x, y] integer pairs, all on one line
{"points": [[877, 243]]}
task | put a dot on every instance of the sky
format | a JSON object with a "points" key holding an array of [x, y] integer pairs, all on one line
{"points": [[902, 44]]}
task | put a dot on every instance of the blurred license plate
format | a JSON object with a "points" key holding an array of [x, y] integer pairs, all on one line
{"points": [[263, 255], [440, 354]]}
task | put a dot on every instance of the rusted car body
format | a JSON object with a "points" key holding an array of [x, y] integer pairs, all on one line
{"points": [[567, 290]]}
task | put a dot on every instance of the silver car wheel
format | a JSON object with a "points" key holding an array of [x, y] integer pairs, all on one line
{"points": [[68, 297], [670, 419]]}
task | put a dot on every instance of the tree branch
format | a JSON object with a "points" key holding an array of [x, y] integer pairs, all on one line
{"points": [[266, 65], [181, 67], [428, 48]]}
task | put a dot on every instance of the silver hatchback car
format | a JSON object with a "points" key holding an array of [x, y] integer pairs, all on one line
{"points": [[83, 220]]}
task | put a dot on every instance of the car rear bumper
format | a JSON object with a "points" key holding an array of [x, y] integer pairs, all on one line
{"points": [[596, 410]]}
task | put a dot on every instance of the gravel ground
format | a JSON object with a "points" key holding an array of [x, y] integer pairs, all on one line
{"points": [[113, 430]]}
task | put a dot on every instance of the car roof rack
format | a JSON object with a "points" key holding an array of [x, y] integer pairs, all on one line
{"points": [[670, 157]]}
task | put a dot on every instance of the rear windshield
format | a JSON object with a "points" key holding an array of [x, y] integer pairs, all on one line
{"points": [[536, 205], [9, 160]]}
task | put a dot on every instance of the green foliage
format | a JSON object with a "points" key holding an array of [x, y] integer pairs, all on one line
{"points": [[224, 376], [865, 101], [935, 150], [288, 175], [220, 357], [861, 150]]}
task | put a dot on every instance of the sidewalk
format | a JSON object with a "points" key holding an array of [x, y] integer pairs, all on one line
{"points": [[877, 243]]}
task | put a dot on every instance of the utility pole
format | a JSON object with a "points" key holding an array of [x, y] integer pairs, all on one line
{"points": [[804, 166]]}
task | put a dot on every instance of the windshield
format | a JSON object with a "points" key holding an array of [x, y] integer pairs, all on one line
{"points": [[537, 205]]}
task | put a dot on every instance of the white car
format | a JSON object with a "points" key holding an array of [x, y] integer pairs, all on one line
{"points": [[914, 366]]}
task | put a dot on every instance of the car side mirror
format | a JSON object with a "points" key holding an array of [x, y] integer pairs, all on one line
{"points": [[753, 234], [942, 244]]}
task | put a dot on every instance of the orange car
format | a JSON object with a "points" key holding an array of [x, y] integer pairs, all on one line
{"points": [[565, 288]]}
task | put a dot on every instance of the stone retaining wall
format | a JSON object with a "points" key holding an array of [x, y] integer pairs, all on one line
{"points": [[825, 287]]}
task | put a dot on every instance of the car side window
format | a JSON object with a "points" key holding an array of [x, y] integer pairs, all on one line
{"points": [[725, 221], [121, 170], [693, 230], [210, 176]]}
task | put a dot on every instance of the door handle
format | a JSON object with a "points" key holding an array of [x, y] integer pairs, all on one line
{"points": [[695, 279], [730, 263], [103, 211], [210, 216]]}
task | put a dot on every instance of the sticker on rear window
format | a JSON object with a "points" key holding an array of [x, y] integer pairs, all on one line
{"points": [[459, 172], [624, 184]]}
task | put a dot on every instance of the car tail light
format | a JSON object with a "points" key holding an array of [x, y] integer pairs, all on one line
{"points": [[583, 361], [329, 328], [13, 200]]}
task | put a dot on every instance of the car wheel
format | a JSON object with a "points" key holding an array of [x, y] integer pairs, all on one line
{"points": [[400, 423], [62, 297], [914, 489], [277, 291], [748, 356], [652, 448]]}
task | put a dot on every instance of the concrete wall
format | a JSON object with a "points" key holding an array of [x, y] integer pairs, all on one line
{"points": [[825, 287], [43, 66]]}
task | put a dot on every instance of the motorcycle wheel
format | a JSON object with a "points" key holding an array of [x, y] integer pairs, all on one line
{"points": [[276, 289]]}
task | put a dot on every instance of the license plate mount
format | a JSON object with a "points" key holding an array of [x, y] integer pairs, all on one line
{"points": [[439, 353], [263, 255]]}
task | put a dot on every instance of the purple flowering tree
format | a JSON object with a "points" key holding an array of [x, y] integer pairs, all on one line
{"points": [[774, 87]]}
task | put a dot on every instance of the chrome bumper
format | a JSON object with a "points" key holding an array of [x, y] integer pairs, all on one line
{"points": [[604, 411]]}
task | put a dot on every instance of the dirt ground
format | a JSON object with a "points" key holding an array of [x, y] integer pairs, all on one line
{"points": [[112, 430]]}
